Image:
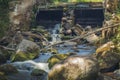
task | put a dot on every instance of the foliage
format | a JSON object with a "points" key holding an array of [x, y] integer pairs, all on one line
{"points": [[116, 38], [4, 16], [118, 9], [4, 3], [57, 1]]}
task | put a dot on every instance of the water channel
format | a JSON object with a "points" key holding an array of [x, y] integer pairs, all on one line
{"points": [[26, 67]]}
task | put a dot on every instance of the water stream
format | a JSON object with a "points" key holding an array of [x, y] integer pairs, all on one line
{"points": [[55, 34], [25, 68]]}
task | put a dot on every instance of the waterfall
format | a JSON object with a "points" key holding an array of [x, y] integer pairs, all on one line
{"points": [[16, 8], [55, 34]]}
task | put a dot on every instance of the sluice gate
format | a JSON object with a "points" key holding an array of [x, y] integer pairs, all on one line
{"points": [[49, 17], [89, 16], [84, 15]]}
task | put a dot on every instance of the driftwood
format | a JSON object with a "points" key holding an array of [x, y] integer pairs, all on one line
{"points": [[83, 35], [40, 36], [6, 48]]}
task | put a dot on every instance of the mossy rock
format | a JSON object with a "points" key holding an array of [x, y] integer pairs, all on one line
{"points": [[7, 53], [56, 58], [38, 72], [41, 30], [110, 59], [26, 50], [53, 50], [22, 56], [8, 69], [66, 37], [75, 68], [2, 76]]}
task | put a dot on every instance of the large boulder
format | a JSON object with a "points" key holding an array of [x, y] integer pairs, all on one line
{"points": [[26, 50], [75, 68]]}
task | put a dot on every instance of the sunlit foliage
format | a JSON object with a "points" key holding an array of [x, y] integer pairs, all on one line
{"points": [[58, 1]]}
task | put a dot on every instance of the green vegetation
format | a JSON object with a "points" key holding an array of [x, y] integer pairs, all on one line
{"points": [[4, 17], [118, 9], [55, 59], [22, 56], [58, 1]]}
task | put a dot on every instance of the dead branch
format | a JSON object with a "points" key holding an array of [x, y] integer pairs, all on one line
{"points": [[40, 36], [83, 35], [6, 48]]}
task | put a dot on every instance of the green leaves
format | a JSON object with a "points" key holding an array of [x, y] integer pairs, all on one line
{"points": [[4, 16]]}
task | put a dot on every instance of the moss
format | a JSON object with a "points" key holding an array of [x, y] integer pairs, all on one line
{"points": [[22, 56], [66, 37], [52, 62], [56, 58], [110, 59], [7, 53], [53, 50], [38, 72]]}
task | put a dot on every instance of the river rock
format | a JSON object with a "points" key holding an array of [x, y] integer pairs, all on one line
{"points": [[8, 69], [92, 38], [70, 44], [26, 50], [108, 59], [2, 76], [39, 74], [117, 74], [56, 58], [75, 68], [5, 54], [52, 50], [107, 78]]}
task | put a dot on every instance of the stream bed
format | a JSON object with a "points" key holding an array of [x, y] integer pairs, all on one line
{"points": [[26, 67]]}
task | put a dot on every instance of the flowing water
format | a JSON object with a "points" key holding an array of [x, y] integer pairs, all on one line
{"points": [[55, 34], [25, 68]]}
